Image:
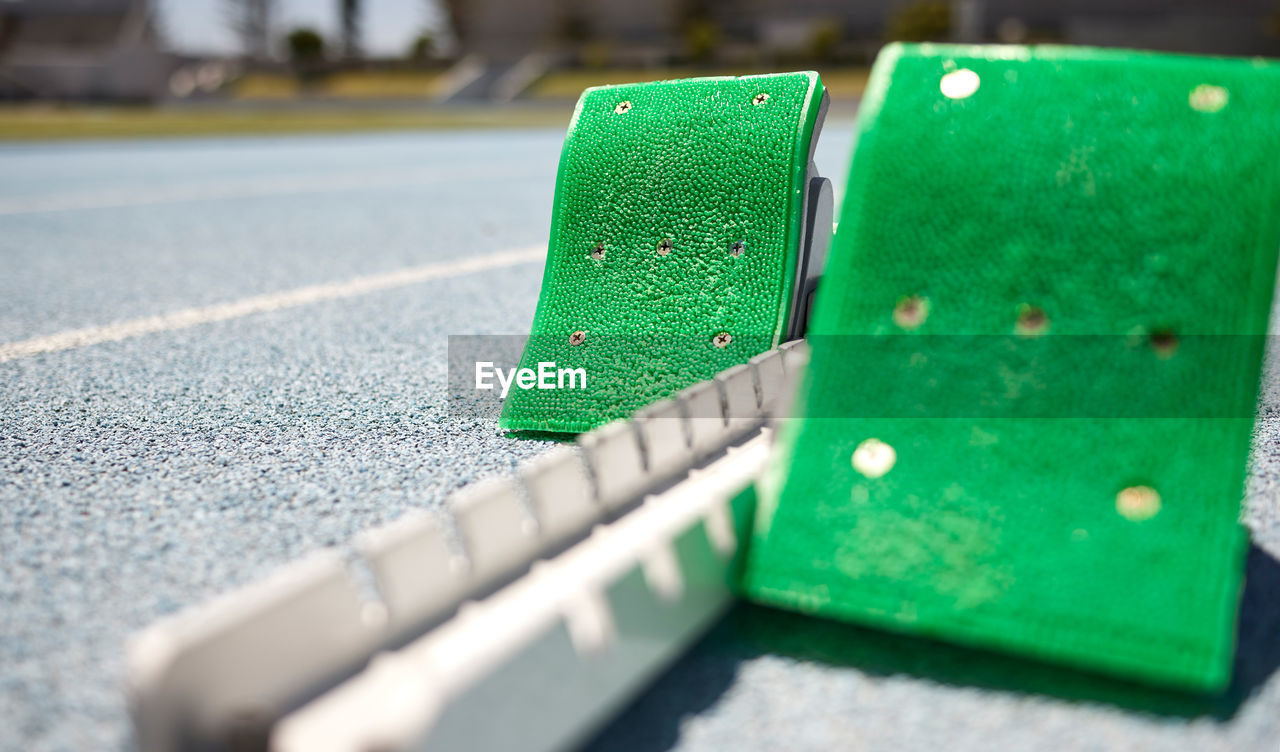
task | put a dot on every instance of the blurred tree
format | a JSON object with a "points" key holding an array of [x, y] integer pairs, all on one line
{"points": [[698, 26], [596, 54], [250, 20], [701, 40], [575, 35], [920, 21], [574, 28], [350, 11], [423, 48], [306, 48], [826, 38]]}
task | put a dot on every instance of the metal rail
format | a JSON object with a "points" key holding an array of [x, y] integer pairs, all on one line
{"points": [[548, 598]]}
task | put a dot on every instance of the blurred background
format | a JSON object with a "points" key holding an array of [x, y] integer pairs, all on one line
{"points": [[103, 67]]}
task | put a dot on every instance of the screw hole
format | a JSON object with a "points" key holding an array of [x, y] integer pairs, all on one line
{"points": [[911, 312], [722, 339], [577, 338], [1032, 321], [738, 248], [597, 253], [760, 99], [664, 246], [622, 108], [1164, 342]]}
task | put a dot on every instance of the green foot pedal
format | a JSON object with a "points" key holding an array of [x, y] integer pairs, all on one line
{"points": [[1035, 360], [688, 229]]}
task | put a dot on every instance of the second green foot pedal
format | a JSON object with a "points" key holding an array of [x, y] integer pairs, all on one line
{"points": [[1035, 359]]}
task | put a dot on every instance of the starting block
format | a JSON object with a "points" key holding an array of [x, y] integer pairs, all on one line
{"points": [[689, 228], [1035, 359]]}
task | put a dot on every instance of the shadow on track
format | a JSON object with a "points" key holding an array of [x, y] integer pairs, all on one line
{"points": [[701, 678]]}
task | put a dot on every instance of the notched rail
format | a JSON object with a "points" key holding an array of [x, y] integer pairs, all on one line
{"points": [[631, 537]]}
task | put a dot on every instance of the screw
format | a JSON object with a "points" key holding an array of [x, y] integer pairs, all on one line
{"points": [[577, 338], [760, 99], [722, 339], [873, 458], [738, 248], [664, 247], [1032, 322], [959, 84], [911, 312], [622, 108], [1138, 503], [1207, 98], [597, 253]]}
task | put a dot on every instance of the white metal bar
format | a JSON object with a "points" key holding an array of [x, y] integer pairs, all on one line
{"points": [[556, 652]]}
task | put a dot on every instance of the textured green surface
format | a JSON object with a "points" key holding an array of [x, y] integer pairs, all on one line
{"points": [[1139, 212], [696, 162]]}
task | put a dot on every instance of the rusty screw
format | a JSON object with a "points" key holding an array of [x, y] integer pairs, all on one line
{"points": [[577, 338], [911, 312]]}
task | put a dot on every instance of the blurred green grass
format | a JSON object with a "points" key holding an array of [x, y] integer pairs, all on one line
{"points": [[354, 85], [267, 104], [843, 83]]}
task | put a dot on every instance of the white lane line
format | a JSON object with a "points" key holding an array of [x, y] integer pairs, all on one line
{"points": [[241, 188], [188, 317]]}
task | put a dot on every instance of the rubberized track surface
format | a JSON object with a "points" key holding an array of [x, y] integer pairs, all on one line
{"points": [[147, 467]]}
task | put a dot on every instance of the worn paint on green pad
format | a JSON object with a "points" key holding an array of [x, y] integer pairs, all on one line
{"points": [[1043, 291], [701, 164]]}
